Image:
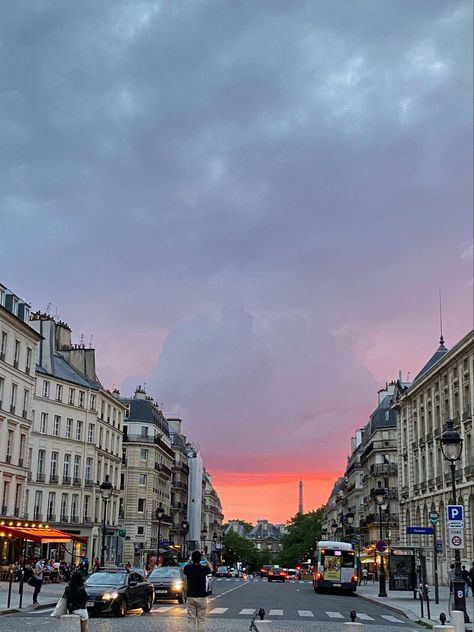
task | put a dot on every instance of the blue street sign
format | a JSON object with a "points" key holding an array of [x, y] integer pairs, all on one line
{"points": [[420, 530], [455, 513]]}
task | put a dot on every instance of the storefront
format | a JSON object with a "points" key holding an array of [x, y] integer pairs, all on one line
{"points": [[22, 540]]}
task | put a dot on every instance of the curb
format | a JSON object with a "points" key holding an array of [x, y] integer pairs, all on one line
{"points": [[26, 609], [408, 614]]}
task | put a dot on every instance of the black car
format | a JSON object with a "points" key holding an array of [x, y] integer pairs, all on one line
{"points": [[169, 583], [116, 591]]}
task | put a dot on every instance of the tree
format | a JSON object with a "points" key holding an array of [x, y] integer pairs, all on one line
{"points": [[304, 530], [239, 549]]}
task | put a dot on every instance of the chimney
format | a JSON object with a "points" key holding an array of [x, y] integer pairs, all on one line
{"points": [[174, 424], [140, 392]]}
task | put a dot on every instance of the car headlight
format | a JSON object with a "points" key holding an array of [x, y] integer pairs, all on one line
{"points": [[108, 596], [177, 585]]}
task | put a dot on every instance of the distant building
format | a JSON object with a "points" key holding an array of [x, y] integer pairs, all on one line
{"points": [[179, 484], [266, 537]]}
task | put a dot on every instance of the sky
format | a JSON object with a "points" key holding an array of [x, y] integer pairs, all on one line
{"points": [[248, 207]]}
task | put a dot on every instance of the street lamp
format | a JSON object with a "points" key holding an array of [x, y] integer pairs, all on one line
{"points": [[451, 447], [106, 490], [203, 537], [160, 512], [349, 522], [185, 528], [334, 528], [379, 495]]}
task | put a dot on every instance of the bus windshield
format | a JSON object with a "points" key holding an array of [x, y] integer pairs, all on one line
{"points": [[333, 558]]}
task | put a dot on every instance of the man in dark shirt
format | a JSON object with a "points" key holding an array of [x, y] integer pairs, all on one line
{"points": [[196, 574]]}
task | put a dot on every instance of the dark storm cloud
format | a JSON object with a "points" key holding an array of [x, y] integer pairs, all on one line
{"points": [[309, 161]]}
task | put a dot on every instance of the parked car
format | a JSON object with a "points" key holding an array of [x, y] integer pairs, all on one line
{"points": [[169, 583], [276, 574], [222, 571], [115, 591], [264, 570]]}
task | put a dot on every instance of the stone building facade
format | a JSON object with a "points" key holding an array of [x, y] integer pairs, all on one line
{"points": [[444, 389]]}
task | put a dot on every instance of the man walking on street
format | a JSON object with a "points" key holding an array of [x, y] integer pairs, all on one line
{"points": [[196, 574], [37, 579]]}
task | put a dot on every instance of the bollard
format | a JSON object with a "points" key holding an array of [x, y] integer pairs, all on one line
{"points": [[70, 623], [353, 627], [10, 582], [443, 628], [457, 620], [20, 588]]}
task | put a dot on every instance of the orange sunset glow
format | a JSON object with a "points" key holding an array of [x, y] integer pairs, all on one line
{"points": [[272, 496]]}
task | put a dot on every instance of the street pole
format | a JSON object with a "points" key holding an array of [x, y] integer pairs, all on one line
{"points": [[104, 533], [159, 538], [435, 563], [382, 589], [458, 584]]}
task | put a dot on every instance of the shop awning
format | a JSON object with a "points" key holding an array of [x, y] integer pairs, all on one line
{"points": [[36, 534]]}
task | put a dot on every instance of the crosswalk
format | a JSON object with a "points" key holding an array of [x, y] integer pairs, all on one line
{"points": [[278, 613]]}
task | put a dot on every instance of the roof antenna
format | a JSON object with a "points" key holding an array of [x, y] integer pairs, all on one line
{"points": [[90, 341], [441, 339]]}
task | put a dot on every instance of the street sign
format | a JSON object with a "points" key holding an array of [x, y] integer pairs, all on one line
{"points": [[434, 517], [456, 538], [381, 546], [455, 513], [420, 530], [122, 533]]}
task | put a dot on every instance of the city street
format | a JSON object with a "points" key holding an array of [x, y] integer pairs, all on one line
{"points": [[289, 606]]}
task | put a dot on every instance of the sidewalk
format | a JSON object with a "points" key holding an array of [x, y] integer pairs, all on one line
{"points": [[403, 603], [49, 596]]}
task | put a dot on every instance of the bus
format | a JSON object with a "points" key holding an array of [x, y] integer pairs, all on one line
{"points": [[335, 566]]}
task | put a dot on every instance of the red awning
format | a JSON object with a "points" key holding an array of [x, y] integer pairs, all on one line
{"points": [[35, 534]]}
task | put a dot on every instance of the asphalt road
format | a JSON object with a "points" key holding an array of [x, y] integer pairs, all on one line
{"points": [[290, 606]]}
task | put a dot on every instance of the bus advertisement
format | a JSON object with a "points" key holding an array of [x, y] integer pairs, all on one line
{"points": [[335, 566]]}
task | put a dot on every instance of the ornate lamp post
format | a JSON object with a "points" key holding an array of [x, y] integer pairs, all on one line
{"points": [[185, 528], [349, 522], [334, 528], [451, 447], [160, 512], [106, 490], [379, 495]]}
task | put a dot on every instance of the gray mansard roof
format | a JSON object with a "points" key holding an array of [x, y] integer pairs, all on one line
{"points": [[62, 370], [440, 352]]}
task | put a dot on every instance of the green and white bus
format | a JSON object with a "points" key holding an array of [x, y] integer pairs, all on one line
{"points": [[335, 566]]}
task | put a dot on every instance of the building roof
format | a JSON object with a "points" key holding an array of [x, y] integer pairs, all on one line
{"points": [[440, 352], [62, 370], [264, 529], [145, 410]]}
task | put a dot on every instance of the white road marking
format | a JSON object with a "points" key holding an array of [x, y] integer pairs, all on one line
{"points": [[391, 618], [247, 611], [364, 617], [218, 611], [335, 615], [305, 613], [275, 612], [164, 608], [42, 611]]}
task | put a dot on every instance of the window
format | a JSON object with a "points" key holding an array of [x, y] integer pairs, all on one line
{"points": [[16, 356], [41, 460], [142, 480], [72, 397], [143, 454], [102, 409], [26, 402], [82, 399], [68, 428], [18, 496], [54, 465], [89, 469], [90, 434], [13, 398], [38, 503], [101, 435], [144, 432], [57, 425], [140, 530], [74, 505], [6, 493], [76, 473], [2, 390], [46, 385], [67, 465], [29, 355], [93, 402], [87, 503], [22, 450], [43, 423], [141, 505], [64, 504], [51, 504], [59, 392], [107, 439], [79, 430], [9, 445], [3, 347]]}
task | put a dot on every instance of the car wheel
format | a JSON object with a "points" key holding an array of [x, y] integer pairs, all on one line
{"points": [[180, 599], [149, 604], [121, 608]]}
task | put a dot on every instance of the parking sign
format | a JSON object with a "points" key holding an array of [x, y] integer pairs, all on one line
{"points": [[455, 515]]}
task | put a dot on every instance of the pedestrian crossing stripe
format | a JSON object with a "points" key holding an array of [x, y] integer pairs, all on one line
{"points": [[390, 618], [334, 615], [305, 613], [164, 608], [218, 611], [273, 613], [247, 611], [364, 617]]}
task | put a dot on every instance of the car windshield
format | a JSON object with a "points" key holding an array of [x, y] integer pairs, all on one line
{"points": [[107, 579], [164, 572]]}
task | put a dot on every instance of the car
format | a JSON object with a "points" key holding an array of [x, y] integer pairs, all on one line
{"points": [[169, 583], [264, 570], [232, 572], [115, 591], [276, 574], [222, 571], [293, 573]]}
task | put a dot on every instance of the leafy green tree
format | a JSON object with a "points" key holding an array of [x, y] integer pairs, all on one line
{"points": [[239, 549], [303, 532]]}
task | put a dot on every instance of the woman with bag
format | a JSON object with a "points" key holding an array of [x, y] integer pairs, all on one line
{"points": [[76, 598]]}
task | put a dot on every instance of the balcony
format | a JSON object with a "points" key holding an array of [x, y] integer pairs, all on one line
{"points": [[12, 409], [439, 481], [384, 468], [179, 485], [87, 519], [429, 437], [20, 462], [51, 517], [466, 415], [66, 480], [88, 483], [54, 478], [165, 470], [8, 458], [423, 486], [4, 510], [76, 481], [469, 471], [37, 516], [121, 513], [437, 433], [75, 519], [40, 477], [405, 491], [30, 476], [416, 488], [64, 518]]}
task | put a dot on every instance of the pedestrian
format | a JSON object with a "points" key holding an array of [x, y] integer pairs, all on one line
{"points": [[467, 580], [96, 565], [451, 576], [196, 575], [36, 580], [365, 576], [76, 598]]}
